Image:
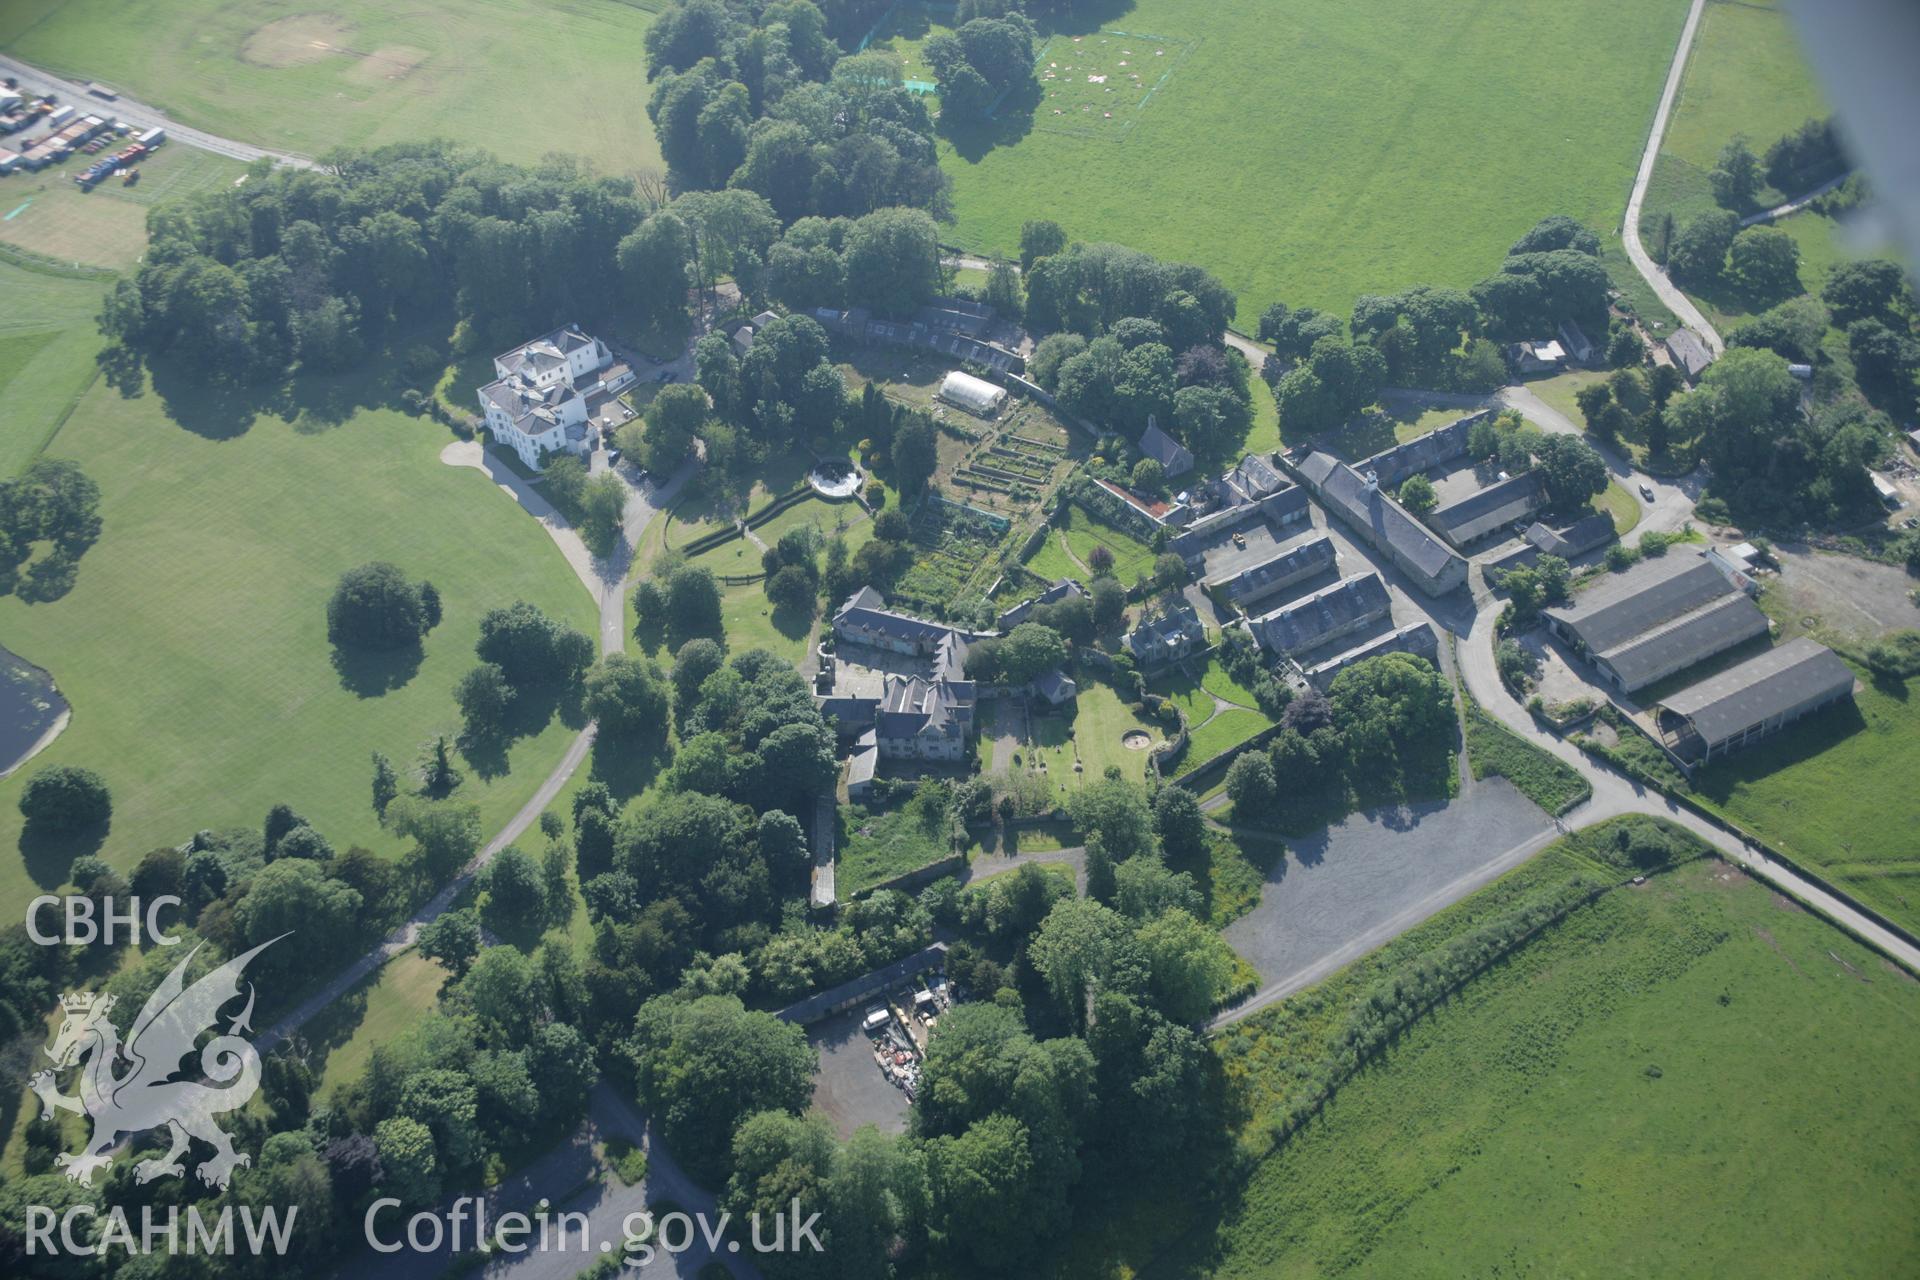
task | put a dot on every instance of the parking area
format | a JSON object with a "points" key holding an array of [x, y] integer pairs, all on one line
{"points": [[1251, 544], [1340, 892], [849, 1088]]}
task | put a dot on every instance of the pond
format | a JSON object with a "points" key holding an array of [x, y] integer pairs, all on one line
{"points": [[29, 707]]}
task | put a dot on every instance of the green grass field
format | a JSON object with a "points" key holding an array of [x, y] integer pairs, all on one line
{"points": [[1226, 730], [1836, 792], [1691, 1077], [490, 73], [1321, 150], [880, 845], [1746, 74], [193, 646], [47, 344], [107, 226]]}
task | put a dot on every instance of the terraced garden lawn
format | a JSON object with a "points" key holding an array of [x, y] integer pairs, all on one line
{"points": [[1132, 559], [827, 518], [1322, 150], [1226, 730], [1090, 730], [193, 644], [1836, 792], [1052, 562], [1600, 1102], [362, 74], [47, 345]]}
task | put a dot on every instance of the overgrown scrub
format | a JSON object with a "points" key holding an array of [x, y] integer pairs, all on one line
{"points": [[1494, 751]]}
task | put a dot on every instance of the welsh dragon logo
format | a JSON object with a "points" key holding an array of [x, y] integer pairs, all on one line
{"points": [[145, 1095]]}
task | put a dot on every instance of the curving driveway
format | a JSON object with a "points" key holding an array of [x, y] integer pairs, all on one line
{"points": [[605, 581], [1677, 302]]}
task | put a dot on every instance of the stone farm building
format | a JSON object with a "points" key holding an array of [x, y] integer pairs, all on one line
{"points": [[1329, 614], [1659, 617], [1488, 511], [926, 713], [1243, 590], [1059, 591], [1280, 509], [1576, 539], [1757, 697], [547, 393], [1365, 507]]}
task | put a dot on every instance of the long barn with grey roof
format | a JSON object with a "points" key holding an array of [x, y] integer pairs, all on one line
{"points": [[1755, 698], [1255, 583], [1384, 523], [1422, 453], [1325, 616], [1659, 617], [1489, 510]]}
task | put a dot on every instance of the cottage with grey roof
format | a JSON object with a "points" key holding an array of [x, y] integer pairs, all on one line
{"points": [[1659, 617], [1173, 457], [1690, 353], [1359, 501], [1325, 616], [1576, 539], [1760, 696]]}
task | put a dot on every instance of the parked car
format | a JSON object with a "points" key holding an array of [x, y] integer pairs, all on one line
{"points": [[666, 375], [1646, 491], [613, 457]]}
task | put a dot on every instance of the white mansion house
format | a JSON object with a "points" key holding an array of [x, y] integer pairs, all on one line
{"points": [[548, 392]]}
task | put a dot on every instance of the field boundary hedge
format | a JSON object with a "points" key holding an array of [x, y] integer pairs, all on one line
{"points": [[1725, 824]]}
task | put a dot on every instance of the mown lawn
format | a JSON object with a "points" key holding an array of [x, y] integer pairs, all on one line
{"points": [[1620, 1096], [1321, 150], [1621, 505], [1836, 792], [193, 645], [363, 74], [1132, 559], [1089, 730], [1226, 730], [107, 226], [47, 344], [751, 623], [374, 1012]]}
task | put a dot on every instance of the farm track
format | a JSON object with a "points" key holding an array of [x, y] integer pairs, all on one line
{"points": [[1677, 302]]}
